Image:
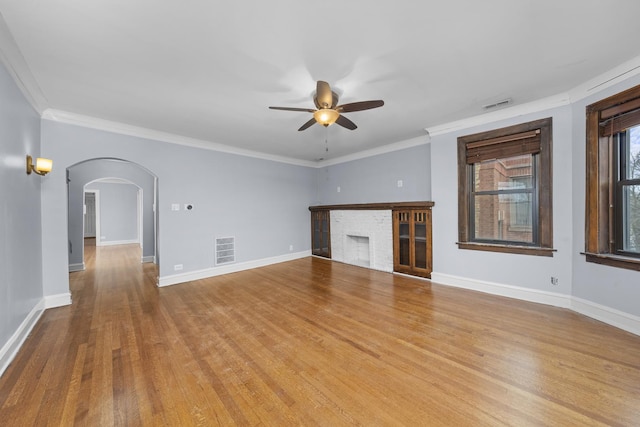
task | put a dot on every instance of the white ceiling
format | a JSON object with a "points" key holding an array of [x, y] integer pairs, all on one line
{"points": [[209, 69]]}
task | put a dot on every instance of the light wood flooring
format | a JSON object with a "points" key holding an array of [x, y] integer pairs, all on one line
{"points": [[311, 342]]}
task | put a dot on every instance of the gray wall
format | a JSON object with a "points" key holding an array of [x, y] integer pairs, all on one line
{"points": [[527, 271], [264, 204], [609, 286], [20, 230], [118, 211], [87, 171], [375, 179]]}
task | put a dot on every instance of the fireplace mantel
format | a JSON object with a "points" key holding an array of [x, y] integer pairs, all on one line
{"points": [[374, 206]]}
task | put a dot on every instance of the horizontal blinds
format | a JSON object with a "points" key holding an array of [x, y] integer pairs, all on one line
{"points": [[619, 122], [504, 146]]}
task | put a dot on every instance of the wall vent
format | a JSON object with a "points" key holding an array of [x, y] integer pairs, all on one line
{"points": [[225, 250], [497, 104]]}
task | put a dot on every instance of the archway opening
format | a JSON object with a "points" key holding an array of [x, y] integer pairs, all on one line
{"points": [[121, 208]]}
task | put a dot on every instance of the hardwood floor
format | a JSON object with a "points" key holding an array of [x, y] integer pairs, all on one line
{"points": [[311, 342]]}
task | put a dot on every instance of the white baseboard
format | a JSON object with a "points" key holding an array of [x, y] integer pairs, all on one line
{"points": [[76, 267], [10, 349], [59, 300], [150, 258], [118, 242], [608, 315], [174, 279], [526, 294]]}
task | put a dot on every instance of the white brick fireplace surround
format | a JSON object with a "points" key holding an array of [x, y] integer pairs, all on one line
{"points": [[362, 237]]}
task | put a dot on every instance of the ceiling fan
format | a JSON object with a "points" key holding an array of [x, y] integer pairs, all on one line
{"points": [[328, 111]]}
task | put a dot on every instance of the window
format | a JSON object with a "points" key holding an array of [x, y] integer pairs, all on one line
{"points": [[613, 181], [504, 198]]}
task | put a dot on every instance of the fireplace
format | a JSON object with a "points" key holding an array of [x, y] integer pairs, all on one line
{"points": [[363, 238]]}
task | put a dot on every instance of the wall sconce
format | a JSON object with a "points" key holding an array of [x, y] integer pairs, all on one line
{"points": [[42, 166]]}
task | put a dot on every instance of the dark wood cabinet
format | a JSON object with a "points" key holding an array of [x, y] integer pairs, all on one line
{"points": [[320, 233], [412, 253]]}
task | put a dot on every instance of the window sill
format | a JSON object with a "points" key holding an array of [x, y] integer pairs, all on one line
{"points": [[511, 249], [613, 260]]}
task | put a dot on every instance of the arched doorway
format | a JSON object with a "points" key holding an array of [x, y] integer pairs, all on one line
{"points": [[109, 172]]}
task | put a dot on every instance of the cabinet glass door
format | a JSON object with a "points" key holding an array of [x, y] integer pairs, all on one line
{"points": [[420, 233], [404, 238], [320, 234]]}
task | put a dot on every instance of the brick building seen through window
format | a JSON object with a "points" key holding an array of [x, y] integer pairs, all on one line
{"points": [[504, 217]]}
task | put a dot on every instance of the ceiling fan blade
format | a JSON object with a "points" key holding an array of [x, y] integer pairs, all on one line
{"points": [[346, 123], [307, 110], [324, 97], [307, 125], [359, 106]]}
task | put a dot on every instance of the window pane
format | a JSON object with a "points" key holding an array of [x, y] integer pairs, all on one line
{"points": [[504, 217], [503, 174], [633, 153], [631, 215]]}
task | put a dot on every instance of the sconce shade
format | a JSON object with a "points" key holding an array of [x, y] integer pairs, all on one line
{"points": [[42, 165], [326, 116]]}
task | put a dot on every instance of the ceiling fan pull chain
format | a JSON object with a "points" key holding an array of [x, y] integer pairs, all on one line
{"points": [[326, 140]]}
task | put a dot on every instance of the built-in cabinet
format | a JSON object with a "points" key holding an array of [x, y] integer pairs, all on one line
{"points": [[412, 251], [320, 233]]}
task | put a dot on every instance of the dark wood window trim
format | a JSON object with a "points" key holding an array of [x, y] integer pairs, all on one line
{"points": [[536, 138], [511, 249], [599, 232]]}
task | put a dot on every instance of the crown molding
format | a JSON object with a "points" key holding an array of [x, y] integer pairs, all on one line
{"points": [[397, 146], [140, 132], [599, 83], [622, 72], [506, 113], [17, 67]]}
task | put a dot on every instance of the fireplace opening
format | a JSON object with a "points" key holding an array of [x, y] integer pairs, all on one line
{"points": [[357, 251]]}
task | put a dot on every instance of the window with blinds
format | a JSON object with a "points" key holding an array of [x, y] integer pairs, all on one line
{"points": [[613, 180], [505, 189]]}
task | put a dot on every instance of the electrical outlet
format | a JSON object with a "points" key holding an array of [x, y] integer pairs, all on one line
{"points": [[400, 183], [338, 189], [103, 237], [177, 267], [554, 281], [290, 247], [175, 206]]}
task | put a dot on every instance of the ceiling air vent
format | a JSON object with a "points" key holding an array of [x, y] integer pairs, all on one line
{"points": [[497, 104], [225, 250]]}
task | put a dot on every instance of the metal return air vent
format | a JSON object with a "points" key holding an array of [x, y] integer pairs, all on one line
{"points": [[497, 104], [225, 250]]}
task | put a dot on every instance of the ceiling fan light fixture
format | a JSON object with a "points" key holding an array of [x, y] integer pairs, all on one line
{"points": [[326, 116]]}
